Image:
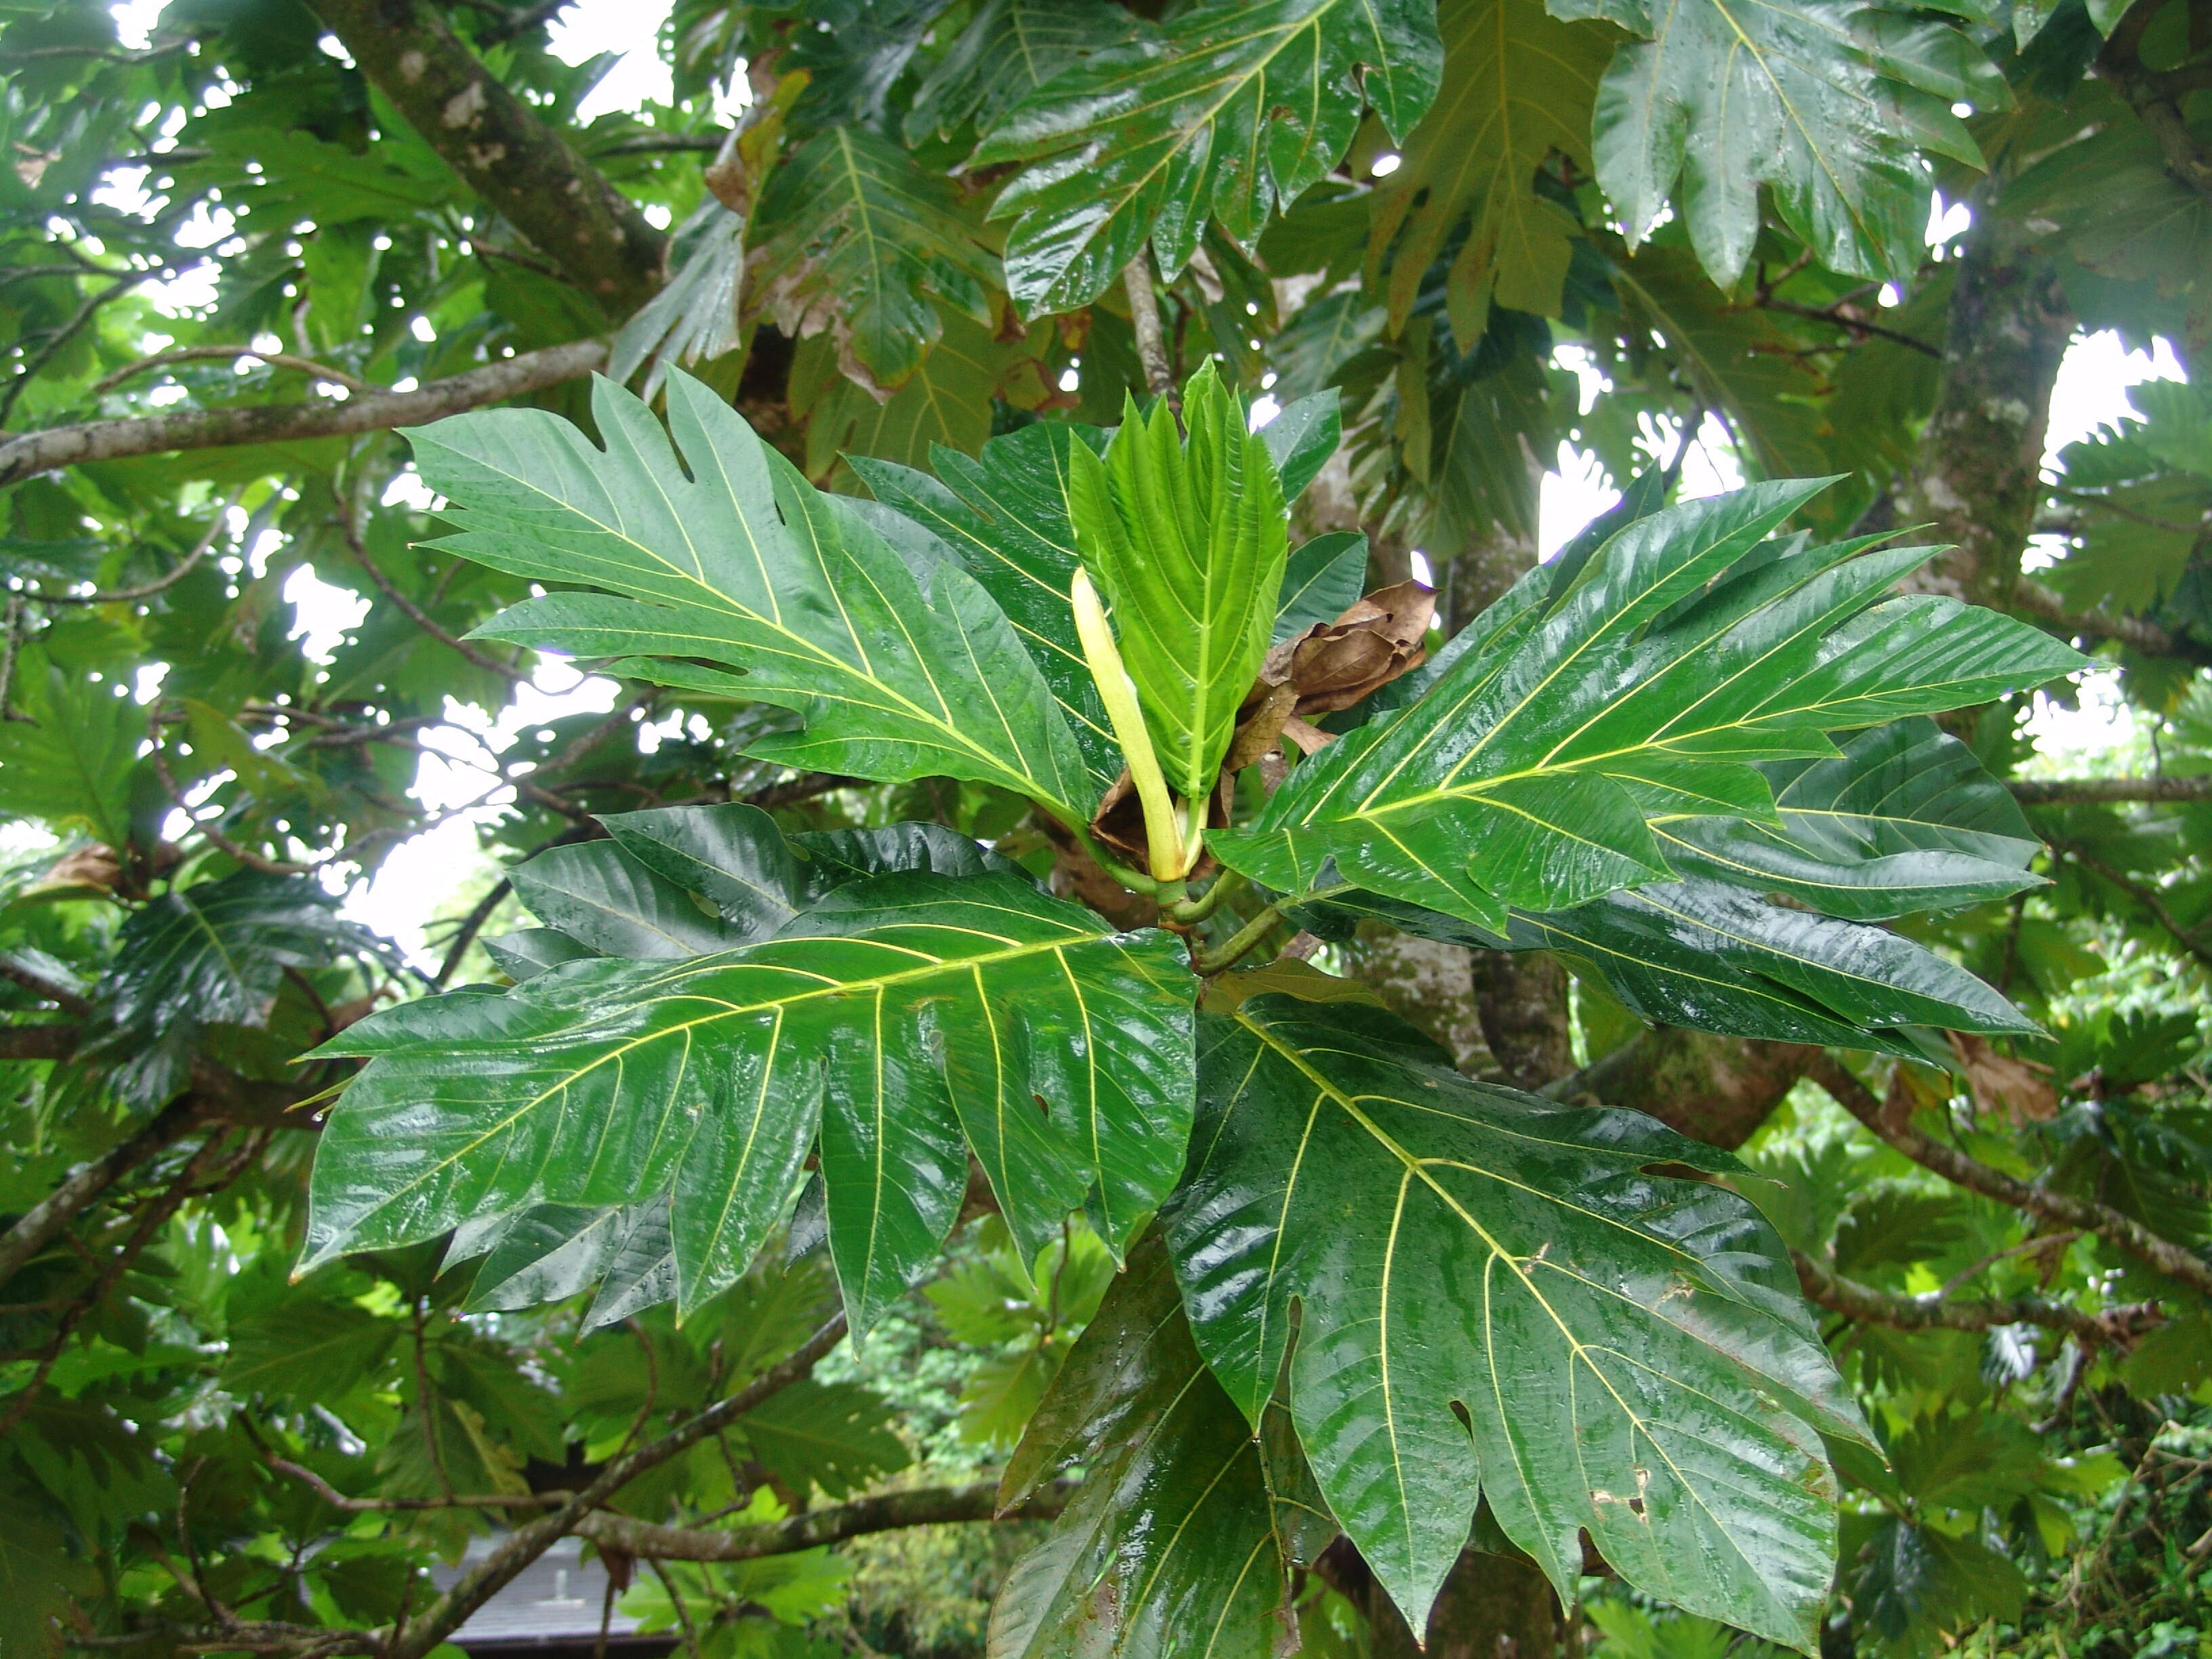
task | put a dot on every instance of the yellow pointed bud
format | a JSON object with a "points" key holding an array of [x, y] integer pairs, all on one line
{"points": [[1170, 858]]}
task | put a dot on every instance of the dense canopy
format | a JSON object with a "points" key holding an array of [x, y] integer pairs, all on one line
{"points": [[1050, 827]]}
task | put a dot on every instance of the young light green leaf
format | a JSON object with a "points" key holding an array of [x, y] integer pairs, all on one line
{"points": [[1188, 540], [724, 555], [1497, 1294], [895, 1014]]}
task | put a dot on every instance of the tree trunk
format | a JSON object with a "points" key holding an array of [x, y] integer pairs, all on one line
{"points": [[1492, 1607], [1978, 479], [1713, 1089], [1521, 998], [1427, 985]]}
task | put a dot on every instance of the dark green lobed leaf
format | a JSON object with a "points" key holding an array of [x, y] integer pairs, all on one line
{"points": [[1629, 1352], [1181, 1537], [895, 1014]]}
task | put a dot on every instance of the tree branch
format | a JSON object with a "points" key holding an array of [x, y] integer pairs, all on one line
{"points": [[1954, 1166], [38, 1041], [41, 1223], [2116, 1326], [2136, 632], [1713, 1089], [415, 613], [1151, 340], [45, 989], [522, 168], [216, 429], [2147, 897], [888, 1512], [2156, 99], [531, 1540], [2074, 791], [147, 590]]}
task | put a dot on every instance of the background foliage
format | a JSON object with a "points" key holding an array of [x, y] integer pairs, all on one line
{"points": [[238, 254]]}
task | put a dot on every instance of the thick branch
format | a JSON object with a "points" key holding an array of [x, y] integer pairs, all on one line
{"points": [[45, 989], [1713, 1089], [216, 429], [43, 1221], [38, 1041], [2155, 99], [1145, 320], [1938, 1312], [2074, 791], [415, 613], [513, 161], [928, 1507], [2135, 632], [1954, 1166], [530, 1540]]}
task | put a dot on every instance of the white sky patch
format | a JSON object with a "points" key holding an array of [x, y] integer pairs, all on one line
{"points": [[631, 27]]}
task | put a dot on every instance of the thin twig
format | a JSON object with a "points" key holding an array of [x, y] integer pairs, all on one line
{"points": [[351, 531], [2147, 897], [220, 354], [471, 925], [62, 336], [531, 1540], [147, 590], [222, 843], [2174, 1260], [1966, 1276], [338, 1500]]}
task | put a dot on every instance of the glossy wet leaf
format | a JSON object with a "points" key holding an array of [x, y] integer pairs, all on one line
{"points": [[1222, 115], [619, 906], [1008, 49], [1186, 537], [1517, 85], [1904, 820], [1644, 685], [894, 1015], [1495, 1293], [1005, 514], [1181, 1537], [738, 562], [1320, 580], [1717, 99]]}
